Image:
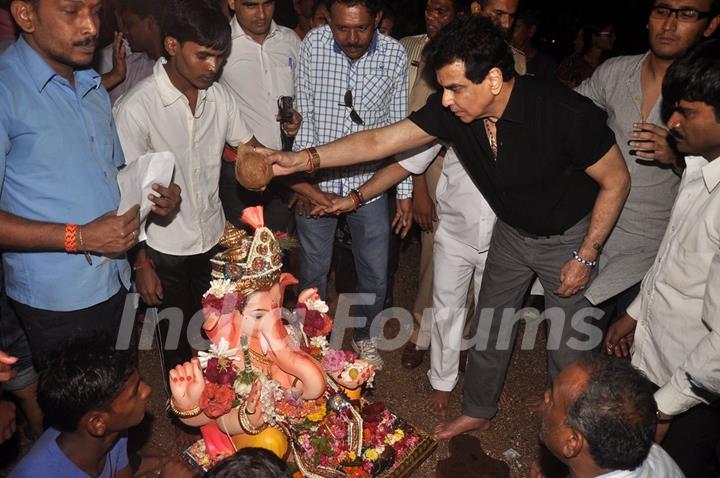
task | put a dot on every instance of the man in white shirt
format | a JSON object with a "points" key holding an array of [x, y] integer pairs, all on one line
{"points": [[598, 418], [181, 109], [258, 72], [675, 320], [139, 24]]}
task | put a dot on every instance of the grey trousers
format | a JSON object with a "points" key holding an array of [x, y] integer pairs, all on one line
{"points": [[513, 261]]}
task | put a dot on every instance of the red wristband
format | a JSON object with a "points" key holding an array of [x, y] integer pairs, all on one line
{"points": [[71, 243]]}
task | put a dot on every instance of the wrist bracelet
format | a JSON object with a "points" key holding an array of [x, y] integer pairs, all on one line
{"points": [[662, 421], [245, 422], [192, 413], [146, 262], [82, 246], [582, 261], [355, 199], [313, 161], [71, 240], [360, 196]]}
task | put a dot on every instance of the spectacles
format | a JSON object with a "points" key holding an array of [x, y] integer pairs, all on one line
{"points": [[354, 116], [682, 14]]}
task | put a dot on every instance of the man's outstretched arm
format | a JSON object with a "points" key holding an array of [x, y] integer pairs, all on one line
{"points": [[361, 147]]}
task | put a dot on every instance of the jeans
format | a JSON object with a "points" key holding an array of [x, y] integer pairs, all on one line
{"points": [[370, 229]]}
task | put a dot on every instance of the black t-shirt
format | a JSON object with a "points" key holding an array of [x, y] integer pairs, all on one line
{"points": [[547, 136]]}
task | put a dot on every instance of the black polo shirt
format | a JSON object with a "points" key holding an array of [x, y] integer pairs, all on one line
{"points": [[547, 136]]}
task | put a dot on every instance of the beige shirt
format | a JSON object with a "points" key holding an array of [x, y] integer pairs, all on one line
{"points": [[413, 47], [257, 75], [678, 308], [155, 116]]}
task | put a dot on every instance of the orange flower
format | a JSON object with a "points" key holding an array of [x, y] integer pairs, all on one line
{"points": [[216, 400]]}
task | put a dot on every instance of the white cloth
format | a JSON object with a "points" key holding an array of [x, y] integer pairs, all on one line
{"points": [[257, 75], [455, 266], [658, 464], [136, 180], [155, 116], [139, 67], [678, 308], [462, 210], [462, 240]]}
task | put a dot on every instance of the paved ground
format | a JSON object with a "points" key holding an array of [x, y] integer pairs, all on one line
{"points": [[403, 391]]}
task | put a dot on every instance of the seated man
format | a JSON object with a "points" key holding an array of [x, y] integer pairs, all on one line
{"points": [[599, 420], [91, 394]]}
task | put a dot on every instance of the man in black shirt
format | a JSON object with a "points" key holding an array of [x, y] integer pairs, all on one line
{"points": [[548, 165]]}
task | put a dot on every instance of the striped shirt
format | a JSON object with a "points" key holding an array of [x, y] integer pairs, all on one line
{"points": [[378, 82], [414, 47]]}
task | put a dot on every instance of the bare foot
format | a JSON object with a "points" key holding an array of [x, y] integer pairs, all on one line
{"points": [[535, 403], [461, 424], [437, 402]]}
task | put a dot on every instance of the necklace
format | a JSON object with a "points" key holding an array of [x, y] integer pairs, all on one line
{"points": [[262, 362], [491, 137]]}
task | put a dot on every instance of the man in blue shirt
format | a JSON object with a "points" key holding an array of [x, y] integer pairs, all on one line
{"points": [[59, 155], [91, 394]]}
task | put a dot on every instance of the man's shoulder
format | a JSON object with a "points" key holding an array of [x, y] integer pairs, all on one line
{"points": [[145, 90], [9, 62], [139, 100], [42, 458], [319, 36], [552, 95], [659, 464], [413, 40], [389, 44], [286, 34], [620, 66]]}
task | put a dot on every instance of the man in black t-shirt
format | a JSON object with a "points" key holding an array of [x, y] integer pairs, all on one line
{"points": [[547, 164]]}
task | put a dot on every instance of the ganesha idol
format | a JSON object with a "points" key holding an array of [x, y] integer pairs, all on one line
{"points": [[263, 373]]}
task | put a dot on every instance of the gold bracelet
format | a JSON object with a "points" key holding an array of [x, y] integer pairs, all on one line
{"points": [[245, 422], [192, 413], [313, 159]]}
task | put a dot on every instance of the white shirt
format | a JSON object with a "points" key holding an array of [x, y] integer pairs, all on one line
{"points": [[462, 210], [658, 464], [678, 308], [139, 67], [155, 116], [257, 75]]}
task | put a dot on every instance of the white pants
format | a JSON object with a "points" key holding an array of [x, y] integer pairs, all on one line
{"points": [[455, 264]]}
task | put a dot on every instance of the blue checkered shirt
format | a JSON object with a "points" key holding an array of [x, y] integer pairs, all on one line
{"points": [[378, 81]]}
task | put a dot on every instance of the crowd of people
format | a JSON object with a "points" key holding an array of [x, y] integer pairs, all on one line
{"points": [[592, 184]]}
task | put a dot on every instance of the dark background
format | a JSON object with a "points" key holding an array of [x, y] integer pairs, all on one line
{"points": [[560, 19]]}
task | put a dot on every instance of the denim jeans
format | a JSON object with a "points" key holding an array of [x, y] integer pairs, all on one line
{"points": [[370, 229]]}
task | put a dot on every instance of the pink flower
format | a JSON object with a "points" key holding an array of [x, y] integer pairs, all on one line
{"points": [[334, 361]]}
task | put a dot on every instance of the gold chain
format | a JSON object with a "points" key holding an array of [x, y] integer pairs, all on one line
{"points": [[491, 137]]}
